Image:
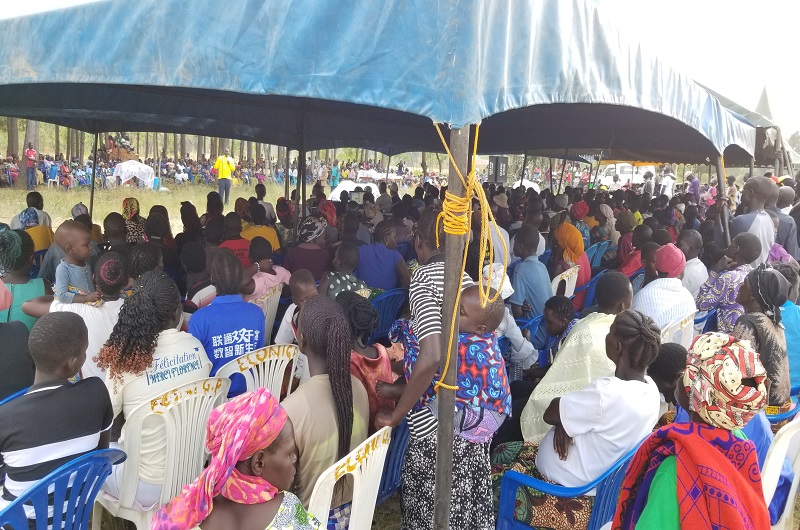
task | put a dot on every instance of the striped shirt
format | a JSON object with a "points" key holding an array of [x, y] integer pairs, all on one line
{"points": [[426, 298], [53, 423]]}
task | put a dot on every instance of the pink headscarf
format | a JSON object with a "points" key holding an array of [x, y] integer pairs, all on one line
{"points": [[670, 260], [236, 430]]}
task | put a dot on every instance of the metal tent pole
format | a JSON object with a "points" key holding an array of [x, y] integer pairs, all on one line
{"points": [[563, 169], [721, 193], [454, 254], [94, 173], [388, 164], [286, 170]]}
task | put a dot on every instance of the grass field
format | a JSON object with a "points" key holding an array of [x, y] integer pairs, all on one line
{"points": [[59, 204]]}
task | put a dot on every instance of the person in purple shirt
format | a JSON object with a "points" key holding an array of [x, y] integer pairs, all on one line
{"points": [[694, 187], [380, 265], [228, 327]]}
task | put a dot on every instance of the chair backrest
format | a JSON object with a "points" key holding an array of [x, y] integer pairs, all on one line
{"points": [[365, 464], [15, 395], [392, 476], [785, 445], [590, 289], [388, 306], [708, 320], [269, 303], [406, 250], [593, 251], [263, 368], [72, 487], [184, 412], [598, 257], [545, 257], [570, 279], [607, 495], [680, 330], [636, 273]]}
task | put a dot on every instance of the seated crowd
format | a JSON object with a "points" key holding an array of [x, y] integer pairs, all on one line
{"points": [[555, 382]]}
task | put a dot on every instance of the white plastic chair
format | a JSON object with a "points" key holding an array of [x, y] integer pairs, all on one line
{"points": [[785, 445], [263, 368], [365, 464], [680, 330], [184, 411], [570, 279], [269, 303]]}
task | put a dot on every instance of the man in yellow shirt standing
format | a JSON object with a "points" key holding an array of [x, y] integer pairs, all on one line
{"points": [[224, 166]]}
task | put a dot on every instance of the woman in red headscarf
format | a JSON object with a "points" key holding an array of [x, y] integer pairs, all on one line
{"points": [[253, 463]]}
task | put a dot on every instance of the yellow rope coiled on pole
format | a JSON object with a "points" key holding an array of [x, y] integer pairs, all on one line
{"points": [[456, 217]]}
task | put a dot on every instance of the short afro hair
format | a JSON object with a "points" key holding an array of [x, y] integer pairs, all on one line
{"points": [[612, 288], [57, 337]]}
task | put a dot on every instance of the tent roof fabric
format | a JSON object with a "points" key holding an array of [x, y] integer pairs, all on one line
{"points": [[326, 74]]}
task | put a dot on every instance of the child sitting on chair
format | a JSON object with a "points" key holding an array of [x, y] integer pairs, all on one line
{"points": [[55, 421], [262, 275], [74, 283], [483, 401]]}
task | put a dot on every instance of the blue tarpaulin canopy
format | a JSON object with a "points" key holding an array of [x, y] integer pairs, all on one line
{"points": [[535, 73]]}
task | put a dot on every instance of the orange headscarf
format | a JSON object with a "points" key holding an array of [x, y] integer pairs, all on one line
{"points": [[570, 240]]}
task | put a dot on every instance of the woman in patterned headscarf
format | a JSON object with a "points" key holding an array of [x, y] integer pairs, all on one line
{"points": [[701, 474], [762, 293], [311, 252], [253, 463], [133, 221]]}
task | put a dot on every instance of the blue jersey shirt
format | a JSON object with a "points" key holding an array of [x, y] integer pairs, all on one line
{"points": [[228, 327]]}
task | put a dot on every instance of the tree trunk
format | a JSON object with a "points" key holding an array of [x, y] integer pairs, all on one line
{"points": [[146, 145], [164, 147], [424, 165], [81, 147], [241, 150], [175, 146], [69, 144], [58, 139], [250, 151], [31, 135], [138, 137], [334, 155], [13, 137], [439, 160], [156, 152], [201, 146]]}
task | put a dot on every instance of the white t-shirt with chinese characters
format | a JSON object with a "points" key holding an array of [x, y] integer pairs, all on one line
{"points": [[606, 419], [178, 359]]}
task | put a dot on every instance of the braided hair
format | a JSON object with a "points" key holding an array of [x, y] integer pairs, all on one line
{"points": [[427, 227], [382, 231], [226, 273], [144, 314], [111, 273], [325, 328], [16, 250], [361, 314], [640, 337], [144, 257]]}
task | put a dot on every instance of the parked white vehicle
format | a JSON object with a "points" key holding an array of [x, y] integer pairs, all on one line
{"points": [[628, 173]]}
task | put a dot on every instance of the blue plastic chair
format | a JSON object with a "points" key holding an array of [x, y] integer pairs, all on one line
{"points": [[531, 324], [709, 321], [590, 289], [608, 486], [38, 257], [15, 395], [388, 306], [635, 274], [392, 468], [593, 251], [545, 257], [789, 414], [74, 487]]}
